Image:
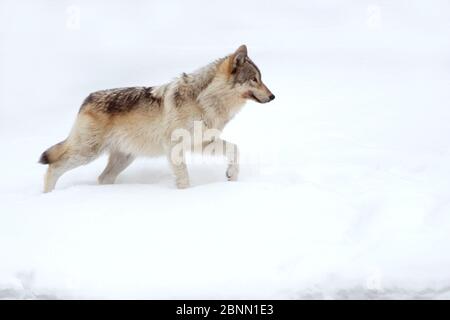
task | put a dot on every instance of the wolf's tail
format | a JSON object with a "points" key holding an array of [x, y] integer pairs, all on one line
{"points": [[53, 153]]}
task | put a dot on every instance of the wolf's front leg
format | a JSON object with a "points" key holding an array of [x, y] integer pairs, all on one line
{"points": [[177, 162], [232, 155], [230, 151]]}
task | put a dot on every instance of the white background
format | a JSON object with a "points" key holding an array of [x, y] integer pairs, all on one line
{"points": [[345, 182]]}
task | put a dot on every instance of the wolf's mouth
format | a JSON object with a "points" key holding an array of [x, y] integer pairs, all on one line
{"points": [[252, 96]]}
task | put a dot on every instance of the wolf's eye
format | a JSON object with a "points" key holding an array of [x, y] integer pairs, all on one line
{"points": [[255, 80]]}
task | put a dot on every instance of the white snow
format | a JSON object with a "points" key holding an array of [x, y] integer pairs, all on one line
{"points": [[344, 189]]}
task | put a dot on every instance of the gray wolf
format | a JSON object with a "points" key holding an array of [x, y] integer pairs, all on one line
{"points": [[139, 121]]}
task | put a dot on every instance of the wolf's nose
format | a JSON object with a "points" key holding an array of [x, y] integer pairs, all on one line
{"points": [[271, 97]]}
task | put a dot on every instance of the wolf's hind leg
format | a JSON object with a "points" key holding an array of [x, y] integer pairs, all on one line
{"points": [[51, 177], [65, 163], [118, 161]]}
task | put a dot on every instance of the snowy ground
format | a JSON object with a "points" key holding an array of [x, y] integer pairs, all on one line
{"points": [[345, 181]]}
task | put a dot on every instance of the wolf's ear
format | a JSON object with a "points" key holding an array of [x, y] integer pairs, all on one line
{"points": [[239, 57]]}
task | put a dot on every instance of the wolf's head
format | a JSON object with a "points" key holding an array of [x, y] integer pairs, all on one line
{"points": [[246, 77]]}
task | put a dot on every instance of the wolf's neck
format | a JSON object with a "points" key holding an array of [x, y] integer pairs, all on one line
{"points": [[200, 79], [210, 88], [220, 101], [188, 87]]}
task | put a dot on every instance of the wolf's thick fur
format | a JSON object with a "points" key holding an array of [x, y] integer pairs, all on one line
{"points": [[130, 122]]}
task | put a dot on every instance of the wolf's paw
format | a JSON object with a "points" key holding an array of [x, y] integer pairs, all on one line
{"points": [[232, 172], [105, 180], [183, 184]]}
